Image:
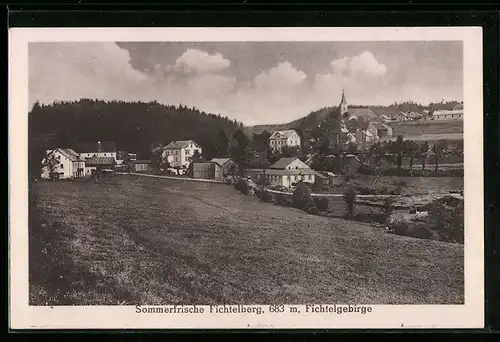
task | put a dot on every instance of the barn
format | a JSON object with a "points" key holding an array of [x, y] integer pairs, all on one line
{"points": [[207, 170]]}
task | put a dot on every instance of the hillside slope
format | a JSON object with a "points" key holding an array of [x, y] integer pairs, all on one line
{"points": [[159, 241]]}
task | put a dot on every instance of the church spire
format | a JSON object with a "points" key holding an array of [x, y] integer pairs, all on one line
{"points": [[343, 97], [343, 104]]}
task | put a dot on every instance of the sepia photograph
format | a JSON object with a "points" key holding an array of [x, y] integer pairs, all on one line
{"points": [[254, 176]]}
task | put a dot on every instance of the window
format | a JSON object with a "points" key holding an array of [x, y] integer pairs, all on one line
{"points": [[187, 158], [62, 166]]}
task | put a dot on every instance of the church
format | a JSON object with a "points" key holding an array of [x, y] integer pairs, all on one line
{"points": [[375, 131], [354, 113]]}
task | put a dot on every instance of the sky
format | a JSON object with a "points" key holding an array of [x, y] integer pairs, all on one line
{"points": [[252, 82]]}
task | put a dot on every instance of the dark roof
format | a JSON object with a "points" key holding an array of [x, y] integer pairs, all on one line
{"points": [[87, 147], [282, 163], [282, 134], [69, 153], [378, 125], [221, 161], [203, 166], [180, 144], [282, 172], [362, 112], [100, 161]]}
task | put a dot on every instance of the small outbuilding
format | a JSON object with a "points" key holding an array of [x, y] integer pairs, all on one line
{"points": [[207, 170]]}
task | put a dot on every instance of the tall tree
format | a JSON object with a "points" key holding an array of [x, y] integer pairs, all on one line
{"points": [[222, 144], [439, 150], [240, 146], [399, 151], [424, 150], [411, 150]]}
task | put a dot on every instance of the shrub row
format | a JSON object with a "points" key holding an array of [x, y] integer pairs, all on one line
{"points": [[445, 222]]}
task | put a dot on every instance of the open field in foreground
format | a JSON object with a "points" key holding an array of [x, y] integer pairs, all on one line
{"points": [[139, 240]]}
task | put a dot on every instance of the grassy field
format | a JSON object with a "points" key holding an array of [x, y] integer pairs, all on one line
{"points": [[415, 128], [137, 240]]}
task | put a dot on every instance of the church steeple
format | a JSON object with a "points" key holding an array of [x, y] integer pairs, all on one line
{"points": [[343, 104]]}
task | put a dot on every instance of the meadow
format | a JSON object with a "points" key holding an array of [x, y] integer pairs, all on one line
{"points": [[138, 240]]}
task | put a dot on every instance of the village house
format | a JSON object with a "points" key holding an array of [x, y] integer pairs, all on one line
{"points": [[228, 165], [98, 149], [376, 131], [66, 164], [379, 130], [207, 170], [98, 164], [285, 172], [279, 139], [180, 153], [139, 165]]}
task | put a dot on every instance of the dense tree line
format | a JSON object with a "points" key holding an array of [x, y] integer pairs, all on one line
{"points": [[134, 126]]}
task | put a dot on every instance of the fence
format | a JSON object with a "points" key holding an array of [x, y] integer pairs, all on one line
{"points": [[171, 177]]}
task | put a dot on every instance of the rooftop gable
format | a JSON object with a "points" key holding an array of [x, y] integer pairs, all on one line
{"points": [[282, 134], [181, 144]]}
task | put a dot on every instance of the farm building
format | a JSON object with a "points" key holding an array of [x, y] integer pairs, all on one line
{"points": [[97, 149], [207, 170], [455, 114], [289, 164], [332, 179], [62, 163], [284, 177], [139, 165], [98, 164], [228, 165], [285, 172]]}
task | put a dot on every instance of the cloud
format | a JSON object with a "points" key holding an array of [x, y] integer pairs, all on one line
{"points": [[197, 61], [364, 64], [282, 75], [281, 93], [71, 71]]}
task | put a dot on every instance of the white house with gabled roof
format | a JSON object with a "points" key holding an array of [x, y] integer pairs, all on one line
{"points": [[65, 164], [180, 153], [279, 139]]}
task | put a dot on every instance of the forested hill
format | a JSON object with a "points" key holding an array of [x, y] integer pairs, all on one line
{"points": [[132, 126], [303, 124], [314, 118]]}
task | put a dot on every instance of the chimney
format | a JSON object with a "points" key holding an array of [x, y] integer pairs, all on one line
{"points": [[99, 147]]}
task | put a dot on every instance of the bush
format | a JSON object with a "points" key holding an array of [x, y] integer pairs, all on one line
{"points": [[388, 208], [419, 231], [312, 209], [411, 229], [301, 196], [265, 196], [350, 198], [399, 226], [242, 186], [284, 200], [321, 203], [446, 216]]}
